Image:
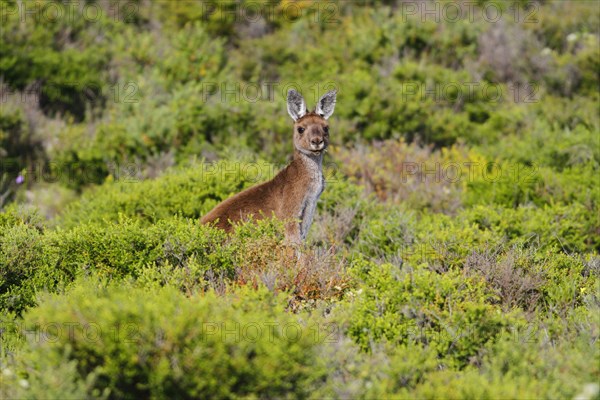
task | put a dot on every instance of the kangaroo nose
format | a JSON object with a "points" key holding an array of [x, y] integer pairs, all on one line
{"points": [[316, 141]]}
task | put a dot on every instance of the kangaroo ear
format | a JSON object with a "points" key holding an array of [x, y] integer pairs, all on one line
{"points": [[295, 105], [326, 104]]}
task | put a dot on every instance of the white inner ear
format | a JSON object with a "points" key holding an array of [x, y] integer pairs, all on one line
{"points": [[326, 104], [295, 105]]}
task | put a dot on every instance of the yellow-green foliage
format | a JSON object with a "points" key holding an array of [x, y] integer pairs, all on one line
{"points": [[449, 313], [188, 192], [454, 253], [126, 342]]}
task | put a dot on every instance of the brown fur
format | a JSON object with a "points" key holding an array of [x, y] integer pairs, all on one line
{"points": [[292, 194]]}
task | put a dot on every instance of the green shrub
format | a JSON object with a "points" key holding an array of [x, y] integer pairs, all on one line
{"points": [[388, 235], [552, 132], [27, 262], [534, 279], [126, 343], [447, 312], [119, 249], [444, 242], [381, 373], [174, 252], [519, 184], [569, 227], [485, 286], [520, 367], [188, 192], [70, 72]]}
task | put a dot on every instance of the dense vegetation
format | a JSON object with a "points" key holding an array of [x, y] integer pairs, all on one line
{"points": [[456, 248]]}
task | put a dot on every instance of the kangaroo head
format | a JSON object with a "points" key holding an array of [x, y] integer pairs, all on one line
{"points": [[311, 130]]}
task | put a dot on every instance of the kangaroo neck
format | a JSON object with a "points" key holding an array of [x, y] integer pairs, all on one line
{"points": [[311, 162]]}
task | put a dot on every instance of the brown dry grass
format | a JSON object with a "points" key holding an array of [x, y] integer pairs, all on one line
{"points": [[308, 274], [516, 281]]}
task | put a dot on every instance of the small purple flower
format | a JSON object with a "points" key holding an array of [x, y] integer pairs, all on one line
{"points": [[20, 179]]}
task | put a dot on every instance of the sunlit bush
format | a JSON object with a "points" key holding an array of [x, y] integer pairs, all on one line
{"points": [[118, 342]]}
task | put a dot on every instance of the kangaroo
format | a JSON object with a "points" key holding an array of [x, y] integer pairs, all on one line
{"points": [[293, 193]]}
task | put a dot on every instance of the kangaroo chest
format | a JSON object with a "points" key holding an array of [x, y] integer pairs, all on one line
{"points": [[309, 203]]}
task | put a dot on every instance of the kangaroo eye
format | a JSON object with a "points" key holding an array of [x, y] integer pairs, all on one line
{"points": [[300, 130], [326, 129]]}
